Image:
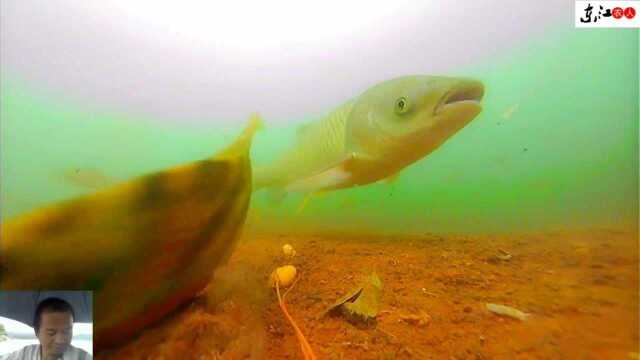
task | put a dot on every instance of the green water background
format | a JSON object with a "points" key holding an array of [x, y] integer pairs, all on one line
{"points": [[567, 157]]}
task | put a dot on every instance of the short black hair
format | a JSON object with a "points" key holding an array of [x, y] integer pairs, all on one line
{"points": [[51, 304]]}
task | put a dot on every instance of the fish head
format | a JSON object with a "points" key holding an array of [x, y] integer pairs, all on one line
{"points": [[414, 112]]}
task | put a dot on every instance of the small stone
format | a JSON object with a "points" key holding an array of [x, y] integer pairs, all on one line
{"points": [[421, 320]]}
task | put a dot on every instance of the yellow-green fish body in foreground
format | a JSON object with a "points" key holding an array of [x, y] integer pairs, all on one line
{"points": [[375, 135], [145, 246]]}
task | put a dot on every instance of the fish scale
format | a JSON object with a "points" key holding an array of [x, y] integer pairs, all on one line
{"points": [[317, 144]]}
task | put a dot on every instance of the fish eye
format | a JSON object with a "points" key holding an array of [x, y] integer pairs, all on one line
{"points": [[402, 105]]}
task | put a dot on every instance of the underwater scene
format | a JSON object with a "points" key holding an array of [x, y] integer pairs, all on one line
{"points": [[409, 188]]}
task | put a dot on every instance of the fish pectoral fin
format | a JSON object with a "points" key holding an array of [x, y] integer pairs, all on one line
{"points": [[329, 178]]}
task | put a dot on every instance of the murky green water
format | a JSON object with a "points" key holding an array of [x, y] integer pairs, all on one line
{"points": [[555, 147]]}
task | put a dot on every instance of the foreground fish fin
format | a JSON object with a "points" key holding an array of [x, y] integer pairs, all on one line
{"points": [[145, 246], [242, 145]]}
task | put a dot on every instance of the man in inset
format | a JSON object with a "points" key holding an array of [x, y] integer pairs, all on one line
{"points": [[53, 324]]}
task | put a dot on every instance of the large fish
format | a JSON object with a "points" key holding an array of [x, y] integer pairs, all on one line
{"points": [[375, 135], [144, 246]]}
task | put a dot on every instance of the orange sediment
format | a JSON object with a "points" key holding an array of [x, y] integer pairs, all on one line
{"points": [[580, 287]]}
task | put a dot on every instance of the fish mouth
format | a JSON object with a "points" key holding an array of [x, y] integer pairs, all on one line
{"points": [[464, 94]]}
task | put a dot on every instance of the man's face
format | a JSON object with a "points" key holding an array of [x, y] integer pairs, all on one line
{"points": [[56, 331]]}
